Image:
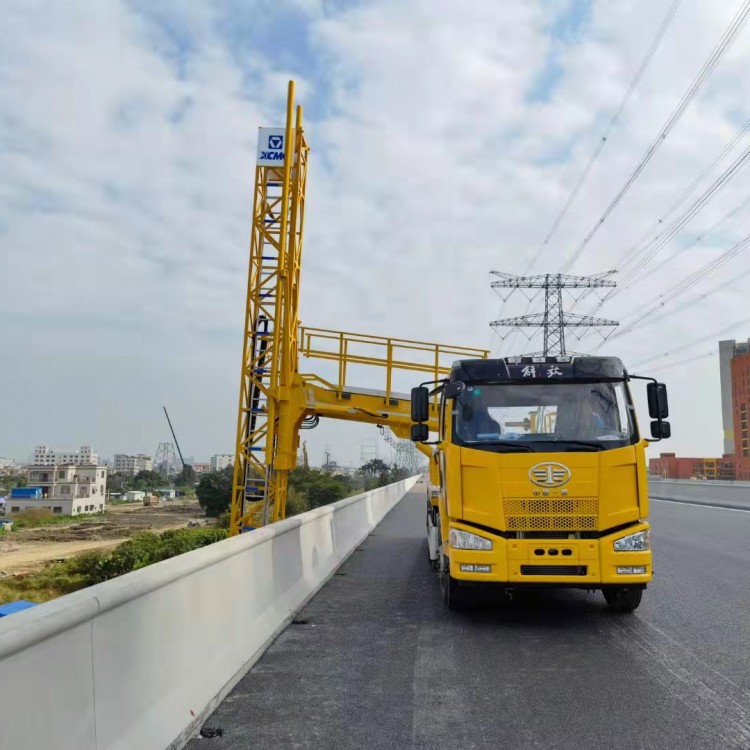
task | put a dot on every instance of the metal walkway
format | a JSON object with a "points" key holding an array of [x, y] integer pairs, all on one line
{"points": [[376, 662]]}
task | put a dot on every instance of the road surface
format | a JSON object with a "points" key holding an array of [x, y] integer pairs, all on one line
{"points": [[375, 661]]}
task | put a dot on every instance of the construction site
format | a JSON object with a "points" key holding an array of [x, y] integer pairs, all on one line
{"points": [[27, 550]]}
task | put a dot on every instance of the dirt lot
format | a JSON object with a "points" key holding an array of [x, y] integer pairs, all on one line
{"points": [[25, 550]]}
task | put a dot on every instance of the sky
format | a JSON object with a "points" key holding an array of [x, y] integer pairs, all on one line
{"points": [[446, 137]]}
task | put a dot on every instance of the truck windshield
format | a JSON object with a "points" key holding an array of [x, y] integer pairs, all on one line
{"points": [[559, 416]]}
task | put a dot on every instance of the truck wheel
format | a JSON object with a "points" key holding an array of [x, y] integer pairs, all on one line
{"points": [[622, 600], [453, 597]]}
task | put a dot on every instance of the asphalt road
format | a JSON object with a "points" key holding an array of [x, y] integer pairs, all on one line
{"points": [[377, 662]]}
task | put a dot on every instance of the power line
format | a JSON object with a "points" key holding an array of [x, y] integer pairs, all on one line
{"points": [[699, 340], [696, 241], [681, 287], [690, 189], [634, 83], [645, 62], [682, 220], [704, 73], [633, 253], [652, 248], [690, 302], [682, 361]]}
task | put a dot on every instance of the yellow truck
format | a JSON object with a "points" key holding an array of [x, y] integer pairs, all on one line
{"points": [[538, 476]]}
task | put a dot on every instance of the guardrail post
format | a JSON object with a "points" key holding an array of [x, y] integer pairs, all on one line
{"points": [[388, 370]]}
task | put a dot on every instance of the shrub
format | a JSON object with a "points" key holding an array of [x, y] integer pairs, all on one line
{"points": [[296, 502], [93, 567]]}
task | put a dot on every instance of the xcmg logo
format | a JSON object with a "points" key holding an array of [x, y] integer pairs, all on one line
{"points": [[275, 150]]}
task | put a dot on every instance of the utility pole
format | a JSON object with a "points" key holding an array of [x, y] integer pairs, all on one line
{"points": [[554, 320], [169, 421]]}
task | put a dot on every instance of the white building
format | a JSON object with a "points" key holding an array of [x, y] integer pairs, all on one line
{"points": [[68, 489], [125, 464], [7, 466], [220, 461], [45, 456]]}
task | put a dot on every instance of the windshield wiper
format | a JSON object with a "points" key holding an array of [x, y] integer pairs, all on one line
{"points": [[583, 445]]}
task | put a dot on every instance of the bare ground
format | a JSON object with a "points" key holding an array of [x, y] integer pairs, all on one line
{"points": [[25, 550]]}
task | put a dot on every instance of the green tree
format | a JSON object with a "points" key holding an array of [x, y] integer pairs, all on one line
{"points": [[214, 491], [118, 482], [147, 480], [317, 487], [374, 467], [186, 478], [296, 502], [9, 481]]}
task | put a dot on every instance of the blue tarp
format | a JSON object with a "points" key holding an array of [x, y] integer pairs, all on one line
{"points": [[12, 607], [26, 493]]}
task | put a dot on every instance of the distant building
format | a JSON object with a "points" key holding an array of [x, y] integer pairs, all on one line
{"points": [[7, 466], [734, 367], [201, 468], [670, 466], [45, 456], [67, 489], [126, 464], [220, 461]]}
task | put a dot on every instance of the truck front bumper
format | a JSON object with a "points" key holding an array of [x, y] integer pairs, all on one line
{"points": [[578, 563]]}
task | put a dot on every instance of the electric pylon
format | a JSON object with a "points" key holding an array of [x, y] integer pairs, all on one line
{"points": [[406, 454], [165, 459], [554, 320]]}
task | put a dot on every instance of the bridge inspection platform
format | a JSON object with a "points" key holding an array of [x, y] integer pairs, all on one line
{"points": [[375, 661]]}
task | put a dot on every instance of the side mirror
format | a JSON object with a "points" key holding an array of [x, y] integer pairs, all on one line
{"points": [[420, 432], [661, 430], [453, 389], [658, 406], [420, 404]]}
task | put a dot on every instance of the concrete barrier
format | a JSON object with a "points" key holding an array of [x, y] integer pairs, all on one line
{"points": [[719, 494], [140, 661]]}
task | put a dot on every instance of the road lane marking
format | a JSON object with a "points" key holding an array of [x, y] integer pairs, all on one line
{"points": [[700, 505]]}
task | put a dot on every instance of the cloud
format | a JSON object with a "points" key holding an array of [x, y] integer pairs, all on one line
{"points": [[445, 138]]}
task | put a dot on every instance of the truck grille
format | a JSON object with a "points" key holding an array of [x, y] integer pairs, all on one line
{"points": [[553, 570], [551, 513]]}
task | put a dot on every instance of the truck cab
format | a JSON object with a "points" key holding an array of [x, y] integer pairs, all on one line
{"points": [[539, 477]]}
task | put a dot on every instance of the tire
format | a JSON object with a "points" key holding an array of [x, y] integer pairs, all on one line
{"points": [[431, 516], [622, 600], [454, 598]]}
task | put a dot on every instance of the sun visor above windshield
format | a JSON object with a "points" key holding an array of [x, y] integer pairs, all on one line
{"points": [[538, 368]]}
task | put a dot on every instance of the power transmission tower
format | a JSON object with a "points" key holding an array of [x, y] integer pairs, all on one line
{"points": [[165, 459], [407, 457], [554, 320], [368, 450]]}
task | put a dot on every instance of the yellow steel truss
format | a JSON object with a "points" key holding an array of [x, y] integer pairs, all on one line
{"points": [[271, 318], [275, 397]]}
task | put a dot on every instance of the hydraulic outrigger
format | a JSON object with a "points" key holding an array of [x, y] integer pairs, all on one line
{"points": [[276, 399]]}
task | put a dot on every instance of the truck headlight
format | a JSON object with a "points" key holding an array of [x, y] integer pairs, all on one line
{"points": [[638, 542], [464, 540]]}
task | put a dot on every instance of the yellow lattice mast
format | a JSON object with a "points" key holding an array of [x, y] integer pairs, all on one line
{"points": [[271, 317], [275, 397]]}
